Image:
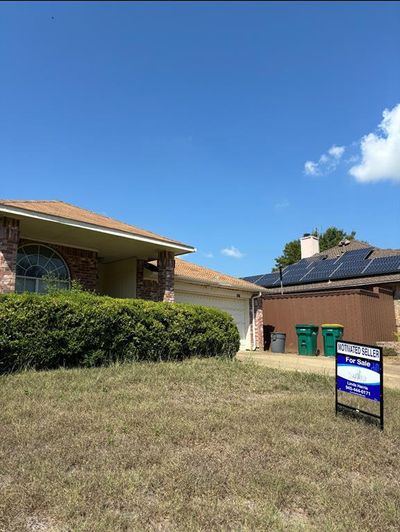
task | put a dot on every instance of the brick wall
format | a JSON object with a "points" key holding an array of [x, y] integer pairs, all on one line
{"points": [[257, 323], [166, 276], [82, 263], [145, 288], [9, 238], [163, 289]]}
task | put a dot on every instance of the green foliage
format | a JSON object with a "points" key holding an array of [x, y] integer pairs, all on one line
{"points": [[328, 239], [74, 328], [291, 254], [332, 236]]}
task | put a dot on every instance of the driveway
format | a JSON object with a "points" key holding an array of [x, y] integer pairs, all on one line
{"points": [[317, 364]]}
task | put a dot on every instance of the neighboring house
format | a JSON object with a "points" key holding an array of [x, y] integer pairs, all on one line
{"points": [[41, 239], [354, 283]]}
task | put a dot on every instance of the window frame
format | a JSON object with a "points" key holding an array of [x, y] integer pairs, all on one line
{"points": [[37, 280]]}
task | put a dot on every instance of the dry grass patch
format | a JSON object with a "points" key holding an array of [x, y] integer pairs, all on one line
{"points": [[198, 445]]}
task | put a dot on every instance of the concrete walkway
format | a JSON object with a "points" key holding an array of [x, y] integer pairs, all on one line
{"points": [[317, 364]]}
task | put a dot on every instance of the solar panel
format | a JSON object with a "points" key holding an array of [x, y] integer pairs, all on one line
{"points": [[293, 279], [356, 255], [253, 278], [268, 279], [290, 270], [315, 275], [321, 271], [383, 265], [326, 264], [350, 269]]}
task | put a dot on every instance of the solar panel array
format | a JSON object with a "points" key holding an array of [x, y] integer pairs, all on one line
{"points": [[349, 265], [254, 278]]}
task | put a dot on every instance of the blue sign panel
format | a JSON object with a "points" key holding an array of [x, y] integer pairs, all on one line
{"points": [[359, 371], [359, 376]]}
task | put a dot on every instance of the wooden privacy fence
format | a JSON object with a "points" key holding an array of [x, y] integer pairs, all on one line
{"points": [[367, 315]]}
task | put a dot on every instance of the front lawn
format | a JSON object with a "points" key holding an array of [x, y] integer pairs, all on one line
{"points": [[199, 445]]}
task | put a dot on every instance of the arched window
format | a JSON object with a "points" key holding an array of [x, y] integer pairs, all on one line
{"points": [[39, 267]]}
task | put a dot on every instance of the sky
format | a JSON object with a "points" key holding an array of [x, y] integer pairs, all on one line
{"points": [[233, 127]]}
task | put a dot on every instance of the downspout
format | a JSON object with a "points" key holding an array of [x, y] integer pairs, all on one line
{"points": [[254, 319]]}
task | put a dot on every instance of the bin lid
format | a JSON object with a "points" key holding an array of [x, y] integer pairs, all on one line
{"points": [[332, 325], [307, 325]]}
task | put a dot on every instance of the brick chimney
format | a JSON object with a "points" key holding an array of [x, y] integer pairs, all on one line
{"points": [[309, 245]]}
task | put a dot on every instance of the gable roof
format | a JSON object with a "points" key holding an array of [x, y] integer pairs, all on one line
{"points": [[188, 271], [66, 211], [352, 263]]}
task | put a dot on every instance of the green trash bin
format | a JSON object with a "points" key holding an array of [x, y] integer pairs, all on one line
{"points": [[307, 339], [331, 332]]}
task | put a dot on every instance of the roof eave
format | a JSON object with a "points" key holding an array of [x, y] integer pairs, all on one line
{"points": [[179, 247]]}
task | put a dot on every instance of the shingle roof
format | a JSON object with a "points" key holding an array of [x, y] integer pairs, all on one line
{"points": [[353, 263], [348, 245], [68, 211], [187, 271], [352, 245]]}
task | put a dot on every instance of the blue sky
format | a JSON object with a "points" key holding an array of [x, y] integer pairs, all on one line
{"points": [[212, 123]]}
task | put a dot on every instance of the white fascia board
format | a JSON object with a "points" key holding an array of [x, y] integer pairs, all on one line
{"points": [[92, 227]]}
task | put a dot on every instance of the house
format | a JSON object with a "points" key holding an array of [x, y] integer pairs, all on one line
{"points": [[354, 283], [41, 239]]}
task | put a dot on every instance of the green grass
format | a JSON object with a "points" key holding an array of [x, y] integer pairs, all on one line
{"points": [[199, 445]]}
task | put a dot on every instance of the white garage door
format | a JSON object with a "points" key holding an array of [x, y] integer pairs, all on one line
{"points": [[238, 309]]}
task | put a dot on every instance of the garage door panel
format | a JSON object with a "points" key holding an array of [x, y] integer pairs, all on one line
{"points": [[238, 309]]}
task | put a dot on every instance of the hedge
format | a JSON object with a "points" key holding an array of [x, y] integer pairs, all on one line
{"points": [[72, 328]]}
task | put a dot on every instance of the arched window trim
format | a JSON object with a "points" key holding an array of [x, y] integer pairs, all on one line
{"points": [[54, 252]]}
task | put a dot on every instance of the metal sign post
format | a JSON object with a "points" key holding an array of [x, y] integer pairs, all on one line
{"points": [[359, 372]]}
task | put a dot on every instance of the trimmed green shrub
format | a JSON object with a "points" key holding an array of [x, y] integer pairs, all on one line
{"points": [[72, 328]]}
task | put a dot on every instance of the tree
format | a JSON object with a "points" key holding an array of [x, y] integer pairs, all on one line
{"points": [[291, 254], [332, 236], [328, 239]]}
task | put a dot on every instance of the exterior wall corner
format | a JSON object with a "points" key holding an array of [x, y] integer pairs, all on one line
{"points": [[257, 323], [9, 240], [166, 276]]}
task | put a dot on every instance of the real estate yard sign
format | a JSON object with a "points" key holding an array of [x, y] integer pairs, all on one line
{"points": [[359, 372]]}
